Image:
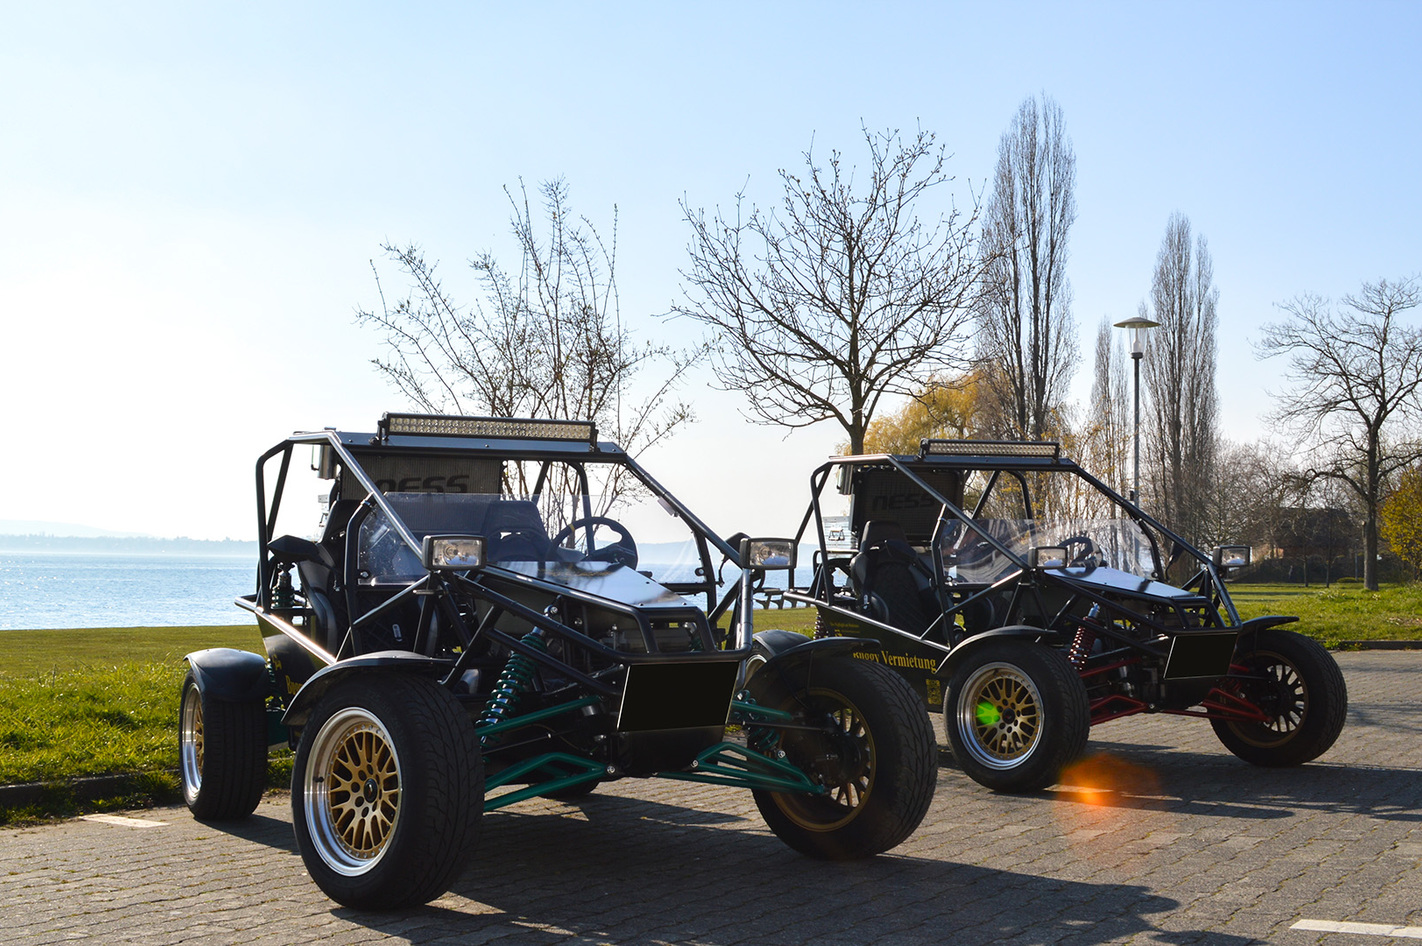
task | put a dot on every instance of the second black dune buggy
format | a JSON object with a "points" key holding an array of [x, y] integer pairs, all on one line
{"points": [[1030, 602], [495, 609]]}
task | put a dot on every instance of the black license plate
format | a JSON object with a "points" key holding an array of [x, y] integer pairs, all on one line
{"points": [[677, 695], [1206, 654]]}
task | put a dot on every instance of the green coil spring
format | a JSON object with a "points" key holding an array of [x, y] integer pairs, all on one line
{"points": [[516, 678]]}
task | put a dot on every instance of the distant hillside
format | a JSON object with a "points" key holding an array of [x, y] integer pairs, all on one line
{"points": [[130, 545], [36, 527]]}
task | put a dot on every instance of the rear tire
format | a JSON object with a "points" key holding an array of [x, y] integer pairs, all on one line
{"points": [[222, 754], [876, 757], [1016, 714], [1296, 682], [387, 790]]}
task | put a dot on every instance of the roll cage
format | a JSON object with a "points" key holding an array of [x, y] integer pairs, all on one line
{"points": [[344, 457], [926, 494]]}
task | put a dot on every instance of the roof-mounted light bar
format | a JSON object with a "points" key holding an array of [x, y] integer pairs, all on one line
{"points": [[990, 448], [503, 428]]}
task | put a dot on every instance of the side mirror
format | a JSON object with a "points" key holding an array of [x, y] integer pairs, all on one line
{"points": [[452, 553], [768, 554], [1047, 556], [1231, 556]]}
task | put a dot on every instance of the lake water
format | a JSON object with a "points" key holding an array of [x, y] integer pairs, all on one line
{"points": [[40, 590], [72, 589]]}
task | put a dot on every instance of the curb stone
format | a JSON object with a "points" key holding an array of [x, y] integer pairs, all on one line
{"points": [[82, 789]]}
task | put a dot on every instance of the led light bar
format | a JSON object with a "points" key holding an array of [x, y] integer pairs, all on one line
{"points": [[504, 428], [990, 448]]}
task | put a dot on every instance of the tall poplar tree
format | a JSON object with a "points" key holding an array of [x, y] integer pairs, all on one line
{"points": [[1027, 334], [1179, 376]]}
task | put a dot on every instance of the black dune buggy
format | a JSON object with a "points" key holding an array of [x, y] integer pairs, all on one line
{"points": [[1030, 602], [473, 623]]}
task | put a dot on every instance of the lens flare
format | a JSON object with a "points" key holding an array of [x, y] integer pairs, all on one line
{"points": [[1103, 779], [988, 714]]}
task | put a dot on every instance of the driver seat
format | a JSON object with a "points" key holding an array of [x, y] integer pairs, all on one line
{"points": [[889, 579], [515, 532]]}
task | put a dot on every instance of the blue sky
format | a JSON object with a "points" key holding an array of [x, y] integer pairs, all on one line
{"points": [[191, 194]]}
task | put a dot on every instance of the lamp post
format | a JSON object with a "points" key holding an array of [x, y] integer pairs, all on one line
{"points": [[1138, 326]]}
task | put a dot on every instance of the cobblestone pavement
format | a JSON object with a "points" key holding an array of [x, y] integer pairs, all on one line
{"points": [[1159, 837]]}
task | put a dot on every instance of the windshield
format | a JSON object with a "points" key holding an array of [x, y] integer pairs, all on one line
{"points": [[623, 524], [1114, 543]]}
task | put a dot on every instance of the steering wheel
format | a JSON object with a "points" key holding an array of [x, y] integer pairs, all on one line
{"points": [[621, 552], [1086, 557]]}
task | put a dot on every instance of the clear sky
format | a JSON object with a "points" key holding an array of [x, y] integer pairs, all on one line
{"points": [[191, 194]]}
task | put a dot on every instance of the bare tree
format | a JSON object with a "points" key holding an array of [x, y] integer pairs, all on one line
{"points": [[844, 297], [1355, 376], [547, 340], [1024, 310], [1105, 430], [1180, 377], [1253, 487]]}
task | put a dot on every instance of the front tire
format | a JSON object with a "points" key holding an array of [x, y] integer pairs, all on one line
{"points": [[222, 754], [1016, 714], [1299, 686], [387, 790], [875, 756]]}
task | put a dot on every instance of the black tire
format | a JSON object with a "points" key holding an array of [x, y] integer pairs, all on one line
{"points": [[1298, 683], [222, 754], [1016, 714], [876, 757], [387, 790]]}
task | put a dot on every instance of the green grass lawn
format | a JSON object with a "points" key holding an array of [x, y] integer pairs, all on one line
{"points": [[1344, 612], [99, 702]]}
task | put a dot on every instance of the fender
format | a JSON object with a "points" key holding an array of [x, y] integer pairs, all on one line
{"points": [[1018, 631], [1254, 625], [230, 675], [775, 653], [789, 647], [400, 661]]}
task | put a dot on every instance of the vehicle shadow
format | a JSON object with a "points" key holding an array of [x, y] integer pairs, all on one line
{"points": [[259, 829], [1160, 776], [1126, 776], [619, 870]]}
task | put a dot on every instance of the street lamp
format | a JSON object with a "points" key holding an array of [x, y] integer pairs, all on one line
{"points": [[1138, 326]]}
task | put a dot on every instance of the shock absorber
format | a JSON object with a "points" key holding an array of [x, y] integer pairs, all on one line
{"points": [[283, 595], [516, 679], [760, 739], [1084, 638]]}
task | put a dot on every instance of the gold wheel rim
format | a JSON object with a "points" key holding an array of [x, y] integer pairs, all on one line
{"points": [[353, 791], [1000, 716]]}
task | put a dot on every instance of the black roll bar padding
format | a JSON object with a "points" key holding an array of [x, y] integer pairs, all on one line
{"points": [[266, 523]]}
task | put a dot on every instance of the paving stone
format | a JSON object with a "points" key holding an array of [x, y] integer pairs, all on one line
{"points": [[1192, 847]]}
